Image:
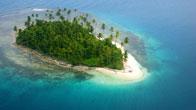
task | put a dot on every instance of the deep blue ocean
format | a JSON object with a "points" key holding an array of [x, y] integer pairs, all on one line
{"points": [[168, 27]]}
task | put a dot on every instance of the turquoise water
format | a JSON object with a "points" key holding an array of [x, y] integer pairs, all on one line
{"points": [[168, 28]]}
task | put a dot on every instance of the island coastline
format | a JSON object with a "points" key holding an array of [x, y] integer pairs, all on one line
{"points": [[133, 71]]}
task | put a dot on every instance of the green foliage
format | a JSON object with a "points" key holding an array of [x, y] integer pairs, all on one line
{"points": [[65, 9], [69, 12], [126, 40], [122, 43], [86, 15], [93, 20], [36, 15], [15, 28], [62, 18], [100, 35], [111, 37], [117, 34], [28, 22], [112, 29], [28, 19], [72, 43], [103, 26], [125, 55], [58, 13], [83, 18], [51, 16]]}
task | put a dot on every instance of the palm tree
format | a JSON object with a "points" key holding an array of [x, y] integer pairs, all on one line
{"points": [[36, 15], [103, 26], [93, 20], [111, 37], [75, 19], [125, 55], [65, 9], [15, 28], [117, 35], [112, 29], [122, 43], [58, 13], [32, 23], [88, 24], [84, 18], [68, 12], [75, 12], [126, 40], [100, 35], [86, 14], [50, 16], [28, 22], [19, 31], [91, 29], [62, 18], [28, 19]]}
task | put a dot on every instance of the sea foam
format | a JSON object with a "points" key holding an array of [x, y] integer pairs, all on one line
{"points": [[39, 9]]}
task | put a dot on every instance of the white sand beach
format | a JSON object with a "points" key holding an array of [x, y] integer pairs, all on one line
{"points": [[132, 69]]}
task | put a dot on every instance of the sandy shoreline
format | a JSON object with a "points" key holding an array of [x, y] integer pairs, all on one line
{"points": [[132, 71]]}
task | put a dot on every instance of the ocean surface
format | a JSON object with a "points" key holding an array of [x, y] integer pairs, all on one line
{"points": [[168, 28]]}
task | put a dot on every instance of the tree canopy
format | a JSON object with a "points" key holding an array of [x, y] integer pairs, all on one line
{"points": [[70, 42]]}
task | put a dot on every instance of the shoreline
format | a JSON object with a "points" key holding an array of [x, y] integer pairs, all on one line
{"points": [[133, 71]]}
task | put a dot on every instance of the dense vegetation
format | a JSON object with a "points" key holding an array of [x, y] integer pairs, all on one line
{"points": [[70, 42]]}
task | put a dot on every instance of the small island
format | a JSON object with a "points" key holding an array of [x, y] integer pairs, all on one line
{"points": [[75, 42]]}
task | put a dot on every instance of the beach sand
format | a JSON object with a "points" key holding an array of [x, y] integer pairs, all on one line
{"points": [[132, 69]]}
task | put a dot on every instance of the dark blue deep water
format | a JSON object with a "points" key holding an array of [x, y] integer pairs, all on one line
{"points": [[169, 27]]}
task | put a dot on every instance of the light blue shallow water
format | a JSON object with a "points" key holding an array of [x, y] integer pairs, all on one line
{"points": [[169, 26]]}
